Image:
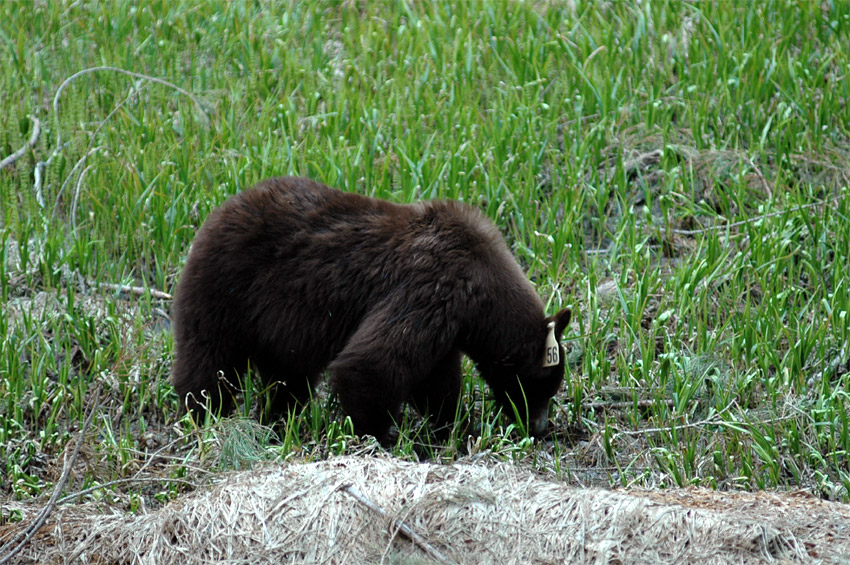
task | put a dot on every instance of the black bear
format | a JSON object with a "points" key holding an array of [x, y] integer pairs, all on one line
{"points": [[295, 277]]}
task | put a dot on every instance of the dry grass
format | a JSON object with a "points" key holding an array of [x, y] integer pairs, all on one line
{"points": [[471, 512]]}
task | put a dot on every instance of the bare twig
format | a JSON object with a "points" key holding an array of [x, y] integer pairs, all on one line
{"points": [[80, 163], [397, 524], [763, 180], [757, 218], [158, 454], [38, 174], [713, 420], [26, 535], [41, 166], [76, 197], [622, 404], [139, 290], [157, 80], [36, 130], [89, 151]]}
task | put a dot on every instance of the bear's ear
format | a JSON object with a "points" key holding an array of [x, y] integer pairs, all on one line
{"points": [[555, 327], [561, 319]]}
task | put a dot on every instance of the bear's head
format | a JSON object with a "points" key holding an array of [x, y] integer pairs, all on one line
{"points": [[524, 382]]}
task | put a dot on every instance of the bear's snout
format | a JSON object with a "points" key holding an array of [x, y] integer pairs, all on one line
{"points": [[539, 422]]}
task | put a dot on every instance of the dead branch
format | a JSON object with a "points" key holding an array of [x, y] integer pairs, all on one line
{"points": [[397, 524], [36, 131], [137, 290]]}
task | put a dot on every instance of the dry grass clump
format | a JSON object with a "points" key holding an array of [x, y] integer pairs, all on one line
{"points": [[467, 513]]}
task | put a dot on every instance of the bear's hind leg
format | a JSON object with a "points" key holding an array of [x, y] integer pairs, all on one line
{"points": [[206, 380], [288, 387]]}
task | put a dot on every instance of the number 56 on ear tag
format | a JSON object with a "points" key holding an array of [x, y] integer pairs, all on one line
{"points": [[553, 349]]}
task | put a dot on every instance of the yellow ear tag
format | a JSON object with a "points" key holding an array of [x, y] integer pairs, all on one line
{"points": [[553, 349]]}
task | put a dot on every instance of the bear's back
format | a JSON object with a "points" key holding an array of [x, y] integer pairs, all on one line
{"points": [[291, 252], [289, 220]]}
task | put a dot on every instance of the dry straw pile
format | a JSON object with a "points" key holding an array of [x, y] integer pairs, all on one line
{"points": [[330, 512]]}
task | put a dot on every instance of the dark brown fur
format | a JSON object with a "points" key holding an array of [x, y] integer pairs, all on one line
{"points": [[296, 277]]}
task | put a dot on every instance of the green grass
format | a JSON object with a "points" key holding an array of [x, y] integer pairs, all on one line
{"points": [[675, 171]]}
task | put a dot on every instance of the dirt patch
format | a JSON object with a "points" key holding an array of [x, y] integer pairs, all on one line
{"points": [[470, 513]]}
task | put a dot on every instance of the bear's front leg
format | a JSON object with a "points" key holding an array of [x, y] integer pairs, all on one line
{"points": [[385, 359], [367, 396], [370, 390], [438, 394]]}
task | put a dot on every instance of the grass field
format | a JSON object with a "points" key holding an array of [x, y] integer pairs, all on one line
{"points": [[676, 172]]}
